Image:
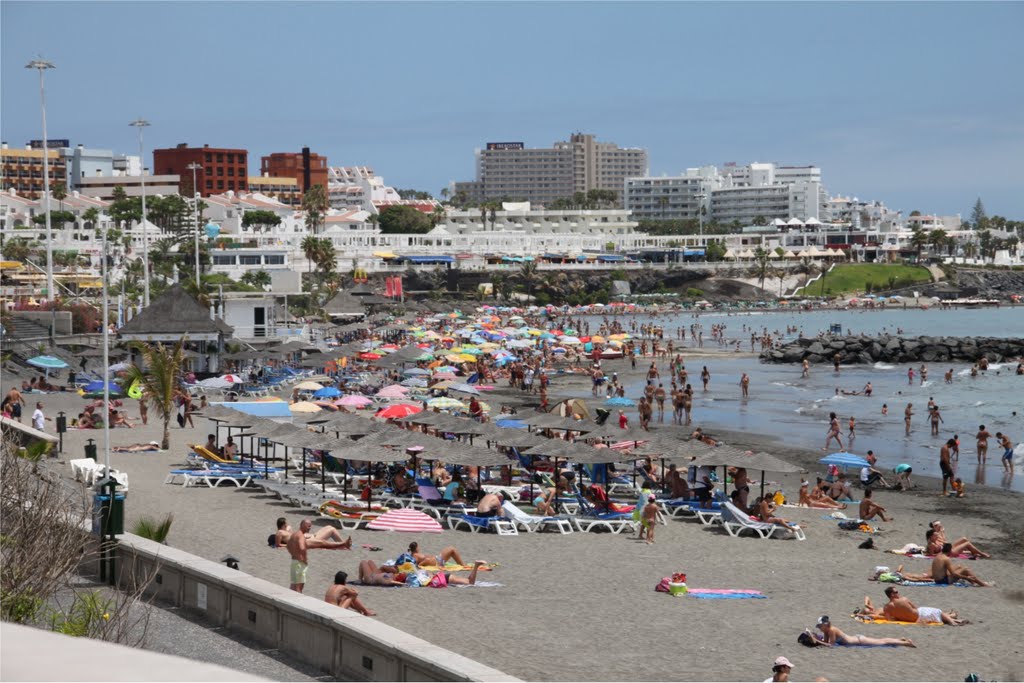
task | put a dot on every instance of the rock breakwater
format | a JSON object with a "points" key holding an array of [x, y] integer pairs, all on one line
{"points": [[893, 349]]}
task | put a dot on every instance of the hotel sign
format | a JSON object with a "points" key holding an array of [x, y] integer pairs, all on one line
{"points": [[50, 144], [504, 145]]}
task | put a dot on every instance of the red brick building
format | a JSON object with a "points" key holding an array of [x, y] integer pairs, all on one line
{"points": [[308, 168], [222, 169]]}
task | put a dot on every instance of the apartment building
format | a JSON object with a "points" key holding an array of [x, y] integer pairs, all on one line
{"points": [[307, 168], [221, 169], [22, 169], [284, 190], [103, 187], [510, 170], [358, 187]]}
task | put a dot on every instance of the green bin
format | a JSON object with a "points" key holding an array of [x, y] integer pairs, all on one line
{"points": [[107, 518]]}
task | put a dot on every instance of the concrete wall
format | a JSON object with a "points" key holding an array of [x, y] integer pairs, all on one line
{"points": [[44, 318], [341, 642]]}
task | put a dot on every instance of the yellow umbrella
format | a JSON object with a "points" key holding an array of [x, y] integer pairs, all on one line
{"points": [[304, 407], [309, 386], [466, 358], [598, 339]]}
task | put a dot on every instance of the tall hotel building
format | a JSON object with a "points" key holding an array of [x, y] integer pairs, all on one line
{"points": [[510, 171]]}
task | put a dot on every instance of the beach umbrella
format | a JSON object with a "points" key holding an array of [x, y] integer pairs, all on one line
{"points": [[304, 407], [464, 388], [843, 459], [327, 392], [619, 402], [392, 391], [445, 403], [413, 372], [398, 410], [47, 363], [309, 386], [406, 519], [354, 401]]}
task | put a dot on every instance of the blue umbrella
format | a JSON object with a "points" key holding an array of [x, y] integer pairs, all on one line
{"points": [[327, 392], [844, 460], [47, 363], [619, 401], [515, 424], [415, 371], [96, 387]]}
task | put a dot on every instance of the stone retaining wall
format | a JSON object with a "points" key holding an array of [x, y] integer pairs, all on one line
{"points": [[892, 349]]}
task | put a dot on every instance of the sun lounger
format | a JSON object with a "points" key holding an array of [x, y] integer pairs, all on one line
{"points": [[532, 523], [500, 526], [511, 492], [589, 519], [736, 522], [208, 455], [433, 503]]}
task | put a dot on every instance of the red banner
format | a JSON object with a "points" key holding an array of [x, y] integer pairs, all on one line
{"points": [[397, 287], [388, 289]]}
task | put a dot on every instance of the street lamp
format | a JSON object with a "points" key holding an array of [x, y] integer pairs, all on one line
{"points": [[700, 213], [42, 65], [195, 212], [141, 123]]}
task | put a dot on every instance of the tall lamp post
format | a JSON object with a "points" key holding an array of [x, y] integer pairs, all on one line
{"points": [[141, 123], [42, 65], [700, 213], [195, 212]]}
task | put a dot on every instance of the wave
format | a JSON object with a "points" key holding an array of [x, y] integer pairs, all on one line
{"points": [[884, 366]]}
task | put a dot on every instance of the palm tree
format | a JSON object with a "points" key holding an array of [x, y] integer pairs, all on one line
{"points": [[160, 381], [528, 275], [91, 216], [918, 240], [309, 246], [315, 203], [937, 238], [761, 265]]}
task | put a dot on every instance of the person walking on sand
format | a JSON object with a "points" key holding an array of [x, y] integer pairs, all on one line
{"points": [[907, 415], [345, 596], [659, 396], [945, 465], [1007, 445], [833, 431], [297, 548], [982, 436], [705, 377], [649, 519], [745, 385], [39, 418]]}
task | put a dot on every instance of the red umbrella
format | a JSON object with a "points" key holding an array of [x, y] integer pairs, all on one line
{"points": [[370, 356], [398, 410], [406, 519]]}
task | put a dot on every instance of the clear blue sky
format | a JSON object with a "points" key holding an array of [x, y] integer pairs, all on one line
{"points": [[920, 105]]}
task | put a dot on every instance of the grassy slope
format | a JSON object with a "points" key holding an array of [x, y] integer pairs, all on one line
{"points": [[854, 277]]}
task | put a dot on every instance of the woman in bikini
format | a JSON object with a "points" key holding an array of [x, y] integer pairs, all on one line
{"points": [[424, 560], [831, 636]]}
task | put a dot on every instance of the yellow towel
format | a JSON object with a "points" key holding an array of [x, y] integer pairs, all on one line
{"points": [[865, 620]]}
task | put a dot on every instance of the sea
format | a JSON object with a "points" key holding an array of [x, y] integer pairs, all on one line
{"points": [[796, 410]]}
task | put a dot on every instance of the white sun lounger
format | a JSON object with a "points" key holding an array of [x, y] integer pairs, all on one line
{"points": [[532, 523], [736, 522]]}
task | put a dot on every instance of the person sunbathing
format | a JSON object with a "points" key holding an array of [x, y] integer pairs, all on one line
{"points": [[442, 579], [766, 513], [817, 499], [372, 575], [441, 476], [425, 560], [119, 419], [869, 508], [137, 447], [902, 609], [830, 636], [961, 546], [945, 572], [543, 502], [325, 538], [345, 596], [822, 499], [840, 488]]}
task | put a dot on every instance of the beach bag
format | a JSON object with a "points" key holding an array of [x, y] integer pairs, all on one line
{"points": [[438, 581], [849, 524], [403, 559], [779, 498], [662, 586], [417, 579]]}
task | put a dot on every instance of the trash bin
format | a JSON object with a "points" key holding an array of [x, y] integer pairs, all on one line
{"points": [[107, 518], [90, 449]]}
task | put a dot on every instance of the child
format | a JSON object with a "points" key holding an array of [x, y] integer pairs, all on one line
{"points": [[649, 519], [885, 409], [853, 428], [958, 487]]}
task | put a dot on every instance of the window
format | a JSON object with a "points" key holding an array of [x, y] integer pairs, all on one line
{"points": [[274, 259], [220, 184], [231, 184], [249, 260], [209, 158], [209, 184], [219, 260], [220, 171], [220, 158], [231, 171], [231, 158]]}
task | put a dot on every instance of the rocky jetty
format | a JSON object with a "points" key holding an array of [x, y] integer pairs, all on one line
{"points": [[893, 349]]}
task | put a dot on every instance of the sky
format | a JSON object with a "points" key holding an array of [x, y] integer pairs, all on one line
{"points": [[919, 105]]}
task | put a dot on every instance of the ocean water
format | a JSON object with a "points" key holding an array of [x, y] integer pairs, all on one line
{"points": [[796, 410]]}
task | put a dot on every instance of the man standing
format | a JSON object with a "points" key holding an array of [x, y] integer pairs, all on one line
{"points": [[945, 465], [745, 385], [39, 419], [300, 561], [1007, 445], [16, 401]]}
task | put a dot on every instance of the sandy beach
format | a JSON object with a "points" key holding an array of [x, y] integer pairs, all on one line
{"points": [[583, 606]]}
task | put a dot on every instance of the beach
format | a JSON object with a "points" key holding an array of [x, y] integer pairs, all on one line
{"points": [[583, 606]]}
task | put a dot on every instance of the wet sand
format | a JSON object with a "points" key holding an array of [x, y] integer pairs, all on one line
{"points": [[583, 607]]}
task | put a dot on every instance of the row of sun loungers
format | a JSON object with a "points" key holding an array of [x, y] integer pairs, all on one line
{"points": [[90, 473]]}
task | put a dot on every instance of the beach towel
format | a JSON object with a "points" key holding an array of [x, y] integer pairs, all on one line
{"points": [[725, 594], [958, 584], [858, 525], [869, 620]]}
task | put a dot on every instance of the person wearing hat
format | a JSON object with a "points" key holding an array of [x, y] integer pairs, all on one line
{"points": [[780, 670], [831, 636], [137, 447], [649, 518]]}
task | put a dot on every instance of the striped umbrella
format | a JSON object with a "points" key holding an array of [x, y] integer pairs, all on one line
{"points": [[406, 519]]}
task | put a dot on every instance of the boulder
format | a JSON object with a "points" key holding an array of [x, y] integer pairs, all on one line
{"points": [[837, 344], [816, 348], [792, 355]]}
